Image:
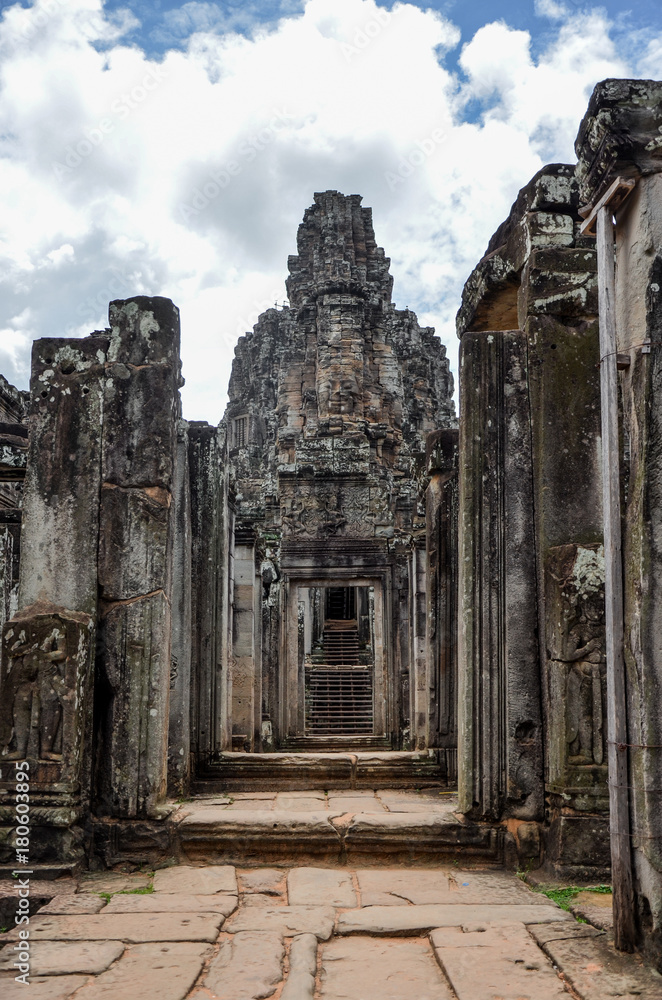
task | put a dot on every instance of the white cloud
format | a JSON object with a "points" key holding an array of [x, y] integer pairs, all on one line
{"points": [[188, 177]]}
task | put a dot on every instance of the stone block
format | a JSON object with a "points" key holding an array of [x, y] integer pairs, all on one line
{"points": [[285, 920], [248, 965], [58, 555], [130, 927], [133, 543], [61, 958], [390, 969], [144, 330], [139, 428], [419, 919], [497, 962], [167, 970], [136, 664], [42, 987], [320, 887], [300, 983], [207, 880]]}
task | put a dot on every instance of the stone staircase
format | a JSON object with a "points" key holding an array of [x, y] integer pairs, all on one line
{"points": [[340, 769], [332, 827]]}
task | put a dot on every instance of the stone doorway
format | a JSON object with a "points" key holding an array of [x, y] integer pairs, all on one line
{"points": [[335, 677], [338, 655]]}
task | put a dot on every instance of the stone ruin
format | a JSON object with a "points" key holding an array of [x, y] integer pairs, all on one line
{"points": [[337, 583]]}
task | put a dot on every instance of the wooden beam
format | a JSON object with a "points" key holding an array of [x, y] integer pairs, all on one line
{"points": [[614, 196], [619, 804]]}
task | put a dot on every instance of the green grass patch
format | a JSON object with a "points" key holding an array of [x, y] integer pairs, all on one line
{"points": [[143, 891], [564, 895]]}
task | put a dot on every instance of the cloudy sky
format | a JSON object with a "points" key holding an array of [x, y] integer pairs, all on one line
{"points": [[171, 149]]}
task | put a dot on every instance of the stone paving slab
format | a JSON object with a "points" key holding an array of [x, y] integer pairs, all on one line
{"points": [[499, 963], [163, 971], [196, 881], [343, 802], [418, 919], [131, 927], [81, 902], [320, 887], [249, 965], [57, 958], [113, 882], [270, 881], [290, 802], [596, 970], [285, 920], [171, 902], [41, 987], [390, 887], [388, 969], [300, 984]]}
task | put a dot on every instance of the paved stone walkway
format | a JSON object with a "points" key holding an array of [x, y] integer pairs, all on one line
{"points": [[300, 933]]}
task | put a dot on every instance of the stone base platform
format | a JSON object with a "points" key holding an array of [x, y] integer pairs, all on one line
{"points": [[337, 827], [359, 769]]}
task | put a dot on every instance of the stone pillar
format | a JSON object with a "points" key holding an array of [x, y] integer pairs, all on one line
{"points": [[211, 576], [620, 137], [179, 728], [47, 647], [141, 403], [441, 636], [499, 737]]}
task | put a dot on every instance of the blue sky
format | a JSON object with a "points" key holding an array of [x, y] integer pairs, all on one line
{"points": [[171, 149]]}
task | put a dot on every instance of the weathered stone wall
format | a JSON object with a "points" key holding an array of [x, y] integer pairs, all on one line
{"points": [[48, 644], [86, 656], [538, 277], [620, 137], [13, 460]]}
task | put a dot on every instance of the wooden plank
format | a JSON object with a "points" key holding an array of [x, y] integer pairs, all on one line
{"points": [[614, 196], [621, 849]]}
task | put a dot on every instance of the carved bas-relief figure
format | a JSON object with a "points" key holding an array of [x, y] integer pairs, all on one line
{"points": [[583, 650], [46, 667], [34, 693]]}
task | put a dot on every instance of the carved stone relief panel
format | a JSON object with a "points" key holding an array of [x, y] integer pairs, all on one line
{"points": [[46, 657]]}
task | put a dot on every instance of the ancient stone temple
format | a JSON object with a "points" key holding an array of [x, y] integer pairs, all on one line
{"points": [[336, 588], [331, 401]]}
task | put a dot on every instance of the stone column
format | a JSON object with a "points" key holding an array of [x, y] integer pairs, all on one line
{"points": [[47, 647], [141, 403], [499, 738], [620, 138], [179, 727], [211, 580], [441, 637]]}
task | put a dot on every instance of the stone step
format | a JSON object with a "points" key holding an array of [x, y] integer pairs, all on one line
{"points": [[340, 829], [300, 770]]}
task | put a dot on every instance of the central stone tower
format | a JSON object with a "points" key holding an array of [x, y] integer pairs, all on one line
{"points": [[331, 401]]}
